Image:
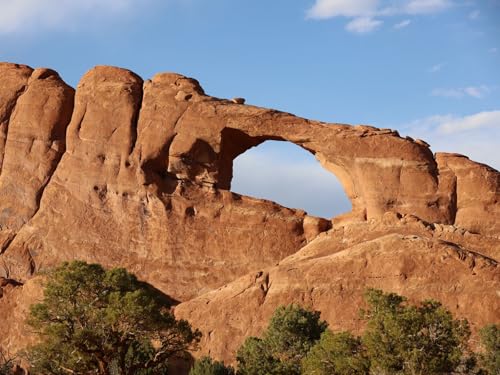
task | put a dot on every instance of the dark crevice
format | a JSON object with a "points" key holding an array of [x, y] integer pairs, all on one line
{"points": [[135, 121], [7, 243], [4, 282], [454, 201]]}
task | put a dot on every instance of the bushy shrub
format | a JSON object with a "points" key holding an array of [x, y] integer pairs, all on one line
{"points": [[407, 339], [99, 321], [338, 353], [292, 332], [207, 366], [490, 356]]}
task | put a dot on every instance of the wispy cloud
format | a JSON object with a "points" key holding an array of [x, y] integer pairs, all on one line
{"points": [[475, 135], [479, 120], [477, 92], [363, 25], [493, 50], [345, 8], [402, 24], [437, 67], [25, 15], [426, 6], [369, 12]]}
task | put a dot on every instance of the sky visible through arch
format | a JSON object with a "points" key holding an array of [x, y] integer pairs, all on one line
{"points": [[291, 176], [428, 68]]}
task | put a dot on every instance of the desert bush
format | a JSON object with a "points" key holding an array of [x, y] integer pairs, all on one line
{"points": [[97, 321], [489, 358], [207, 366], [338, 353], [421, 339], [290, 335]]}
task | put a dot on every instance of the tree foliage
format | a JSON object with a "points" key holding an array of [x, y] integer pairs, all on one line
{"points": [[207, 366], [407, 339], [292, 332], [336, 354], [97, 321], [490, 342], [400, 338]]}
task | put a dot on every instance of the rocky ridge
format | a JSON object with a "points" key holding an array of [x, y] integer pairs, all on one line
{"points": [[133, 173]]}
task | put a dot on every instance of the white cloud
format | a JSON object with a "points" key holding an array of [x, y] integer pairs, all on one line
{"points": [[22, 15], [426, 6], [493, 50], [345, 8], [475, 135], [402, 24], [365, 14], [474, 15], [437, 67], [475, 121], [362, 25], [477, 92]]}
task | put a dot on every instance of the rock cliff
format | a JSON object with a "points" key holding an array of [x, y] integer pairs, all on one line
{"points": [[133, 173]]}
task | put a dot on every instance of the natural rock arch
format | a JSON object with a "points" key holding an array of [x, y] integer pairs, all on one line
{"points": [[290, 175], [376, 167], [145, 169]]}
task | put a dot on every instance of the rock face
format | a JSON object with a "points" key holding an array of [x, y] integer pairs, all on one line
{"points": [[331, 273], [133, 173]]}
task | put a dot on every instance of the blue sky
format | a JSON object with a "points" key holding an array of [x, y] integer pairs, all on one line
{"points": [[429, 68]]}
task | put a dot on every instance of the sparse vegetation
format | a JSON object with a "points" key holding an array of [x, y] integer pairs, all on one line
{"points": [[490, 356], [292, 332], [407, 339], [106, 322], [207, 366], [338, 353], [400, 338], [97, 321]]}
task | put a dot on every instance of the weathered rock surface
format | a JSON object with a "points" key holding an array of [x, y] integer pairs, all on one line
{"points": [[331, 273], [133, 173], [35, 107]]}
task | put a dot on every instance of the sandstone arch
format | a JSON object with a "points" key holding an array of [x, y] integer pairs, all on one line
{"points": [[139, 179], [376, 167], [147, 168], [283, 172]]}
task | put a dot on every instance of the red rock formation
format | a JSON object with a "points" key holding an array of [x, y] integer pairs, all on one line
{"points": [[137, 174], [35, 107], [331, 273]]}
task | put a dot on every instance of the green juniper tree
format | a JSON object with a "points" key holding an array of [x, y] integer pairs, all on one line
{"points": [[489, 358], [291, 333], [97, 321], [207, 366], [413, 340], [338, 353]]}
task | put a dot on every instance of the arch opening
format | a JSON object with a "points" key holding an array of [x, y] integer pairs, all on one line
{"points": [[289, 175]]}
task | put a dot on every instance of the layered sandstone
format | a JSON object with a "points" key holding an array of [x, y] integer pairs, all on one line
{"points": [[133, 173], [331, 273]]}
